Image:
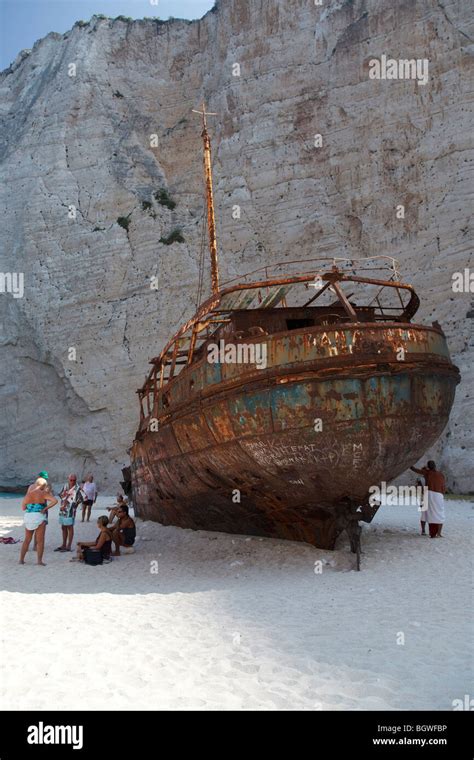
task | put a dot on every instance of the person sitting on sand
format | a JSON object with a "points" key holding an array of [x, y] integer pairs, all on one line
{"points": [[103, 542], [71, 496], [121, 502], [436, 485], [124, 530], [36, 503]]}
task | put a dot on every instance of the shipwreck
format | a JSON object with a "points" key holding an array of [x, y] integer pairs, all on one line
{"points": [[351, 392]]}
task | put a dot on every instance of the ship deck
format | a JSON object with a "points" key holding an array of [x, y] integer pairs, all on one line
{"points": [[385, 299]]}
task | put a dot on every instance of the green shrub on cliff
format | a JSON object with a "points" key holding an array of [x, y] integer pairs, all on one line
{"points": [[174, 237]]}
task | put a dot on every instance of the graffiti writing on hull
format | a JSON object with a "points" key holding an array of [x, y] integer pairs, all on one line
{"points": [[284, 455]]}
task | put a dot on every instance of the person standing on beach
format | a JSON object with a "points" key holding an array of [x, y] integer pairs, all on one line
{"points": [[71, 496], [90, 491], [45, 475], [419, 484], [436, 485], [36, 503]]}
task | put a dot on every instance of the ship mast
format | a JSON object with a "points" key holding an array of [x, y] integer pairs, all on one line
{"points": [[211, 221]]}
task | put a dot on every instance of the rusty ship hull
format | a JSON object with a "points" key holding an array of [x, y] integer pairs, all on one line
{"points": [[324, 393], [291, 450]]}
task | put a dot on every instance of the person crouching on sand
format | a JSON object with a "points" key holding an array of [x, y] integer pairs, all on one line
{"points": [[103, 542], [436, 485], [124, 531], [35, 504]]}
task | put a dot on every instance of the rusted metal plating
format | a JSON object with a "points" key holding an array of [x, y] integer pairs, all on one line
{"points": [[237, 448]]}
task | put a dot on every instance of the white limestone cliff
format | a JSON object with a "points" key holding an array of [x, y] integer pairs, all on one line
{"points": [[83, 141]]}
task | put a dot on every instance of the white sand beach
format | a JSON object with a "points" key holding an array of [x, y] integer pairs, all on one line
{"points": [[240, 622]]}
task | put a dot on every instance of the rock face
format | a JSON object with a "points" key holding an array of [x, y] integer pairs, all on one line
{"points": [[78, 118]]}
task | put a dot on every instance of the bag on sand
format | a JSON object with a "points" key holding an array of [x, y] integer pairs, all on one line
{"points": [[93, 556]]}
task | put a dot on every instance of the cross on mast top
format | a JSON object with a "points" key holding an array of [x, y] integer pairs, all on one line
{"points": [[204, 113]]}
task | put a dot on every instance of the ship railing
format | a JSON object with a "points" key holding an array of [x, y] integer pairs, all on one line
{"points": [[178, 354], [268, 293], [387, 266]]}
